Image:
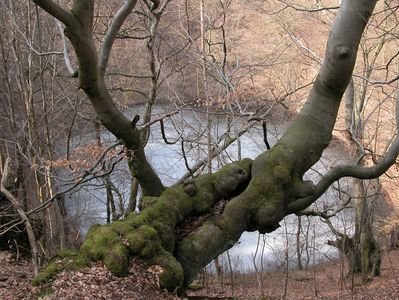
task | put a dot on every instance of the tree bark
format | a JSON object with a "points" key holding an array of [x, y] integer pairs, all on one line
{"points": [[276, 184], [154, 233], [363, 251], [369, 251], [5, 178], [259, 193], [78, 29]]}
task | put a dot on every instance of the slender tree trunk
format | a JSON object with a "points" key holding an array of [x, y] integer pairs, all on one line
{"points": [[369, 250], [134, 188], [5, 179], [299, 244]]}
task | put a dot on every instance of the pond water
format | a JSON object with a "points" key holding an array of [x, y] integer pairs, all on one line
{"points": [[272, 250]]}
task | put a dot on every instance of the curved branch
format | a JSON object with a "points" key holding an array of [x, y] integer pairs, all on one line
{"points": [[360, 172], [80, 33], [355, 171], [56, 11], [165, 139], [111, 34], [265, 134], [67, 60], [276, 174]]}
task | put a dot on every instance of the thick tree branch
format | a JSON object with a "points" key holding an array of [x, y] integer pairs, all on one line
{"points": [[92, 82], [356, 171], [277, 173], [56, 11], [111, 34], [152, 233], [83, 10], [275, 189]]}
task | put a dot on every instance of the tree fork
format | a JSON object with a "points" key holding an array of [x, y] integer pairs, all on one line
{"points": [[275, 186], [78, 22], [151, 234]]}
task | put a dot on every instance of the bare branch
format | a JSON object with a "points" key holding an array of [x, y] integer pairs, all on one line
{"points": [[265, 135], [146, 125], [164, 135], [111, 34], [336, 232], [68, 63], [354, 170], [129, 75], [185, 159], [78, 181], [305, 9], [56, 11], [377, 82], [18, 207], [327, 213]]}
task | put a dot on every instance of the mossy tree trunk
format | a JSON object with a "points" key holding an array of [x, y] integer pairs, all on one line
{"points": [[349, 247], [361, 250], [243, 196], [366, 244]]}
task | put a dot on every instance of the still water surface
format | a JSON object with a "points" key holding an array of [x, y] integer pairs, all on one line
{"points": [[88, 203]]}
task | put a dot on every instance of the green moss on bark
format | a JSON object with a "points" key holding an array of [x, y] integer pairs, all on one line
{"points": [[166, 234], [66, 259], [151, 234], [121, 227], [47, 274], [117, 260], [172, 275], [98, 241], [144, 241], [199, 248]]}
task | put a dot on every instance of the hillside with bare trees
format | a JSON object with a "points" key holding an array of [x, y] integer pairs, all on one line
{"points": [[156, 136]]}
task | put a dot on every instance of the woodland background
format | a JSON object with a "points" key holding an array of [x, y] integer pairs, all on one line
{"points": [[237, 68]]}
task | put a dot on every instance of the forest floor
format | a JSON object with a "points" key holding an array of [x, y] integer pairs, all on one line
{"points": [[325, 281]]}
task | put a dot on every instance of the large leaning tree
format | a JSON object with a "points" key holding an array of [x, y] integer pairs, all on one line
{"points": [[259, 193]]}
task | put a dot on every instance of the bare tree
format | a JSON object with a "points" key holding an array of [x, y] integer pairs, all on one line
{"points": [[260, 192], [31, 129]]}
